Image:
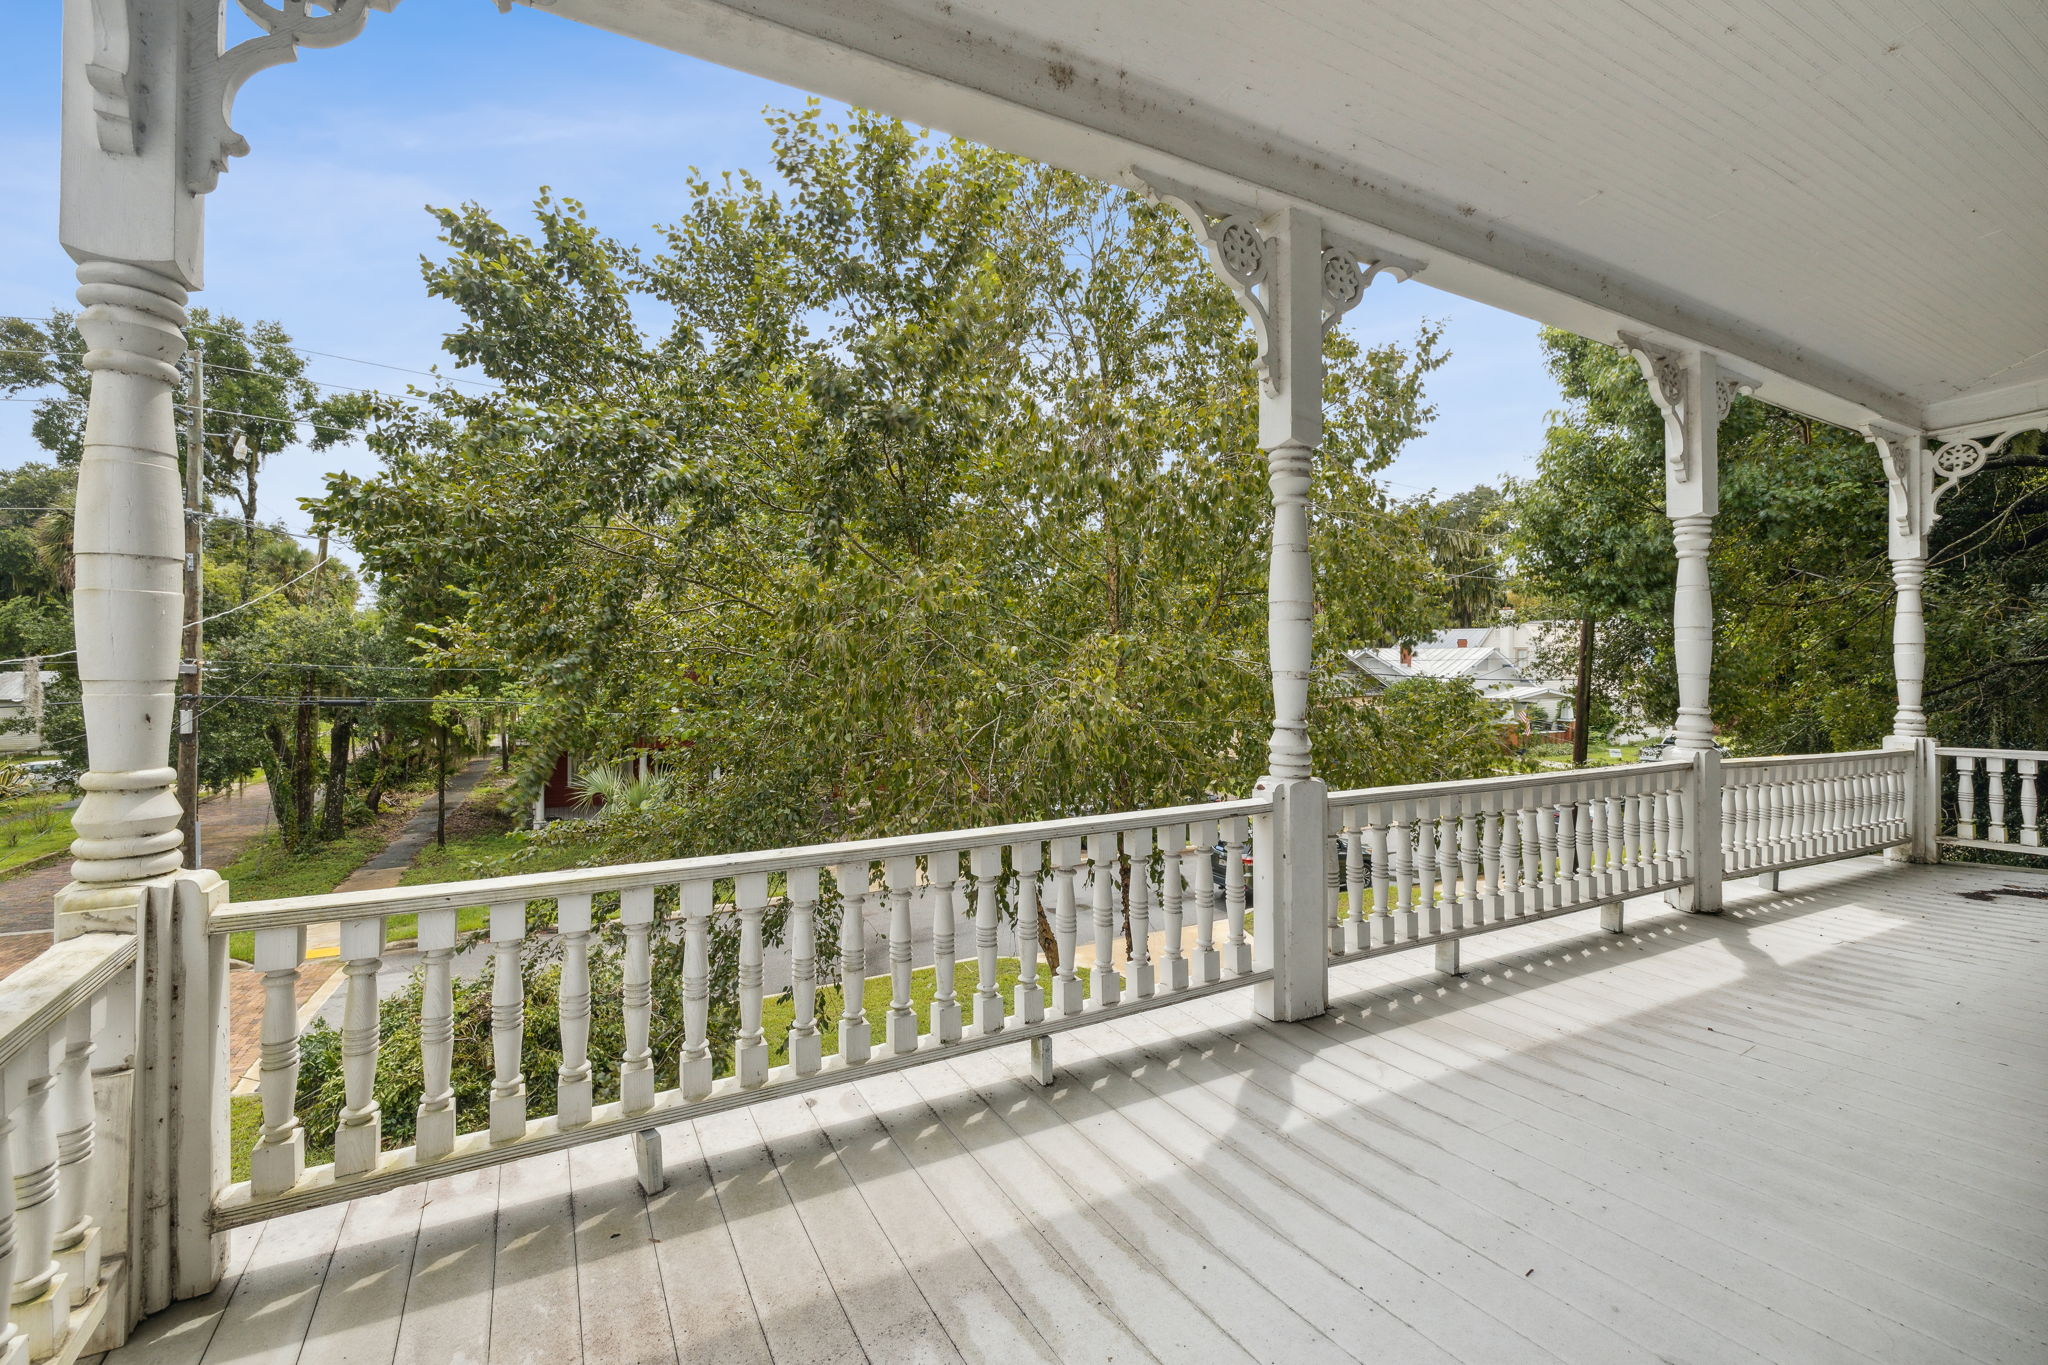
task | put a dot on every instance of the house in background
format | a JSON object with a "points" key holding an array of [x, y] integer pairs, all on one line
{"points": [[21, 694], [1531, 706]]}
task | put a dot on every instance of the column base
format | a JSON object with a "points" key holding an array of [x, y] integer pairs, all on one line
{"points": [[434, 1131], [1029, 1003], [356, 1146]]}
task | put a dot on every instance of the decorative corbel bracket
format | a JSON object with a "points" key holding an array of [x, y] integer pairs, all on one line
{"points": [[1954, 461], [210, 139], [113, 77], [1664, 370], [1242, 253], [1899, 451]]}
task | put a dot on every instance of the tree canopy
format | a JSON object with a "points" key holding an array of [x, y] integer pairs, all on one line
{"points": [[920, 490], [1803, 596]]}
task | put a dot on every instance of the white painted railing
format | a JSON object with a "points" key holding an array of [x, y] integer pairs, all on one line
{"points": [[1779, 813], [1996, 798], [51, 1010], [1187, 937], [1431, 864]]}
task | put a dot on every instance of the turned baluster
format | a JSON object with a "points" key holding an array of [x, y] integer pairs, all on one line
{"points": [[1966, 796], [279, 1157], [1402, 835], [13, 1342], [1379, 908], [77, 1241], [1138, 900], [944, 876], [2030, 802], [697, 1066], [1028, 999], [508, 1023], [636, 999], [899, 1026], [1208, 963], [1172, 861], [986, 863], [1470, 860], [41, 1303], [1426, 867], [434, 1120], [1333, 892], [573, 1075], [358, 1136], [1548, 818], [806, 1045], [1102, 867], [855, 1043], [1510, 840], [1067, 987], [1358, 887], [1237, 950], [750, 1046], [1492, 907], [1994, 795]]}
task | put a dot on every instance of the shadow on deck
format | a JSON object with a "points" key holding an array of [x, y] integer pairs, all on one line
{"points": [[1808, 1130]]}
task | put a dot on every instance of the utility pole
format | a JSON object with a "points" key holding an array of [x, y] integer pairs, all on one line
{"points": [[195, 603], [1582, 694], [441, 786]]}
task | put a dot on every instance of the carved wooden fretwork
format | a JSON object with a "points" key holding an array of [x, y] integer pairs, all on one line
{"points": [[1242, 254], [1664, 370], [1954, 461], [111, 75], [210, 138], [1895, 449]]}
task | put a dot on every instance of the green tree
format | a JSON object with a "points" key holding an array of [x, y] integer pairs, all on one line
{"points": [[937, 502], [1802, 584]]}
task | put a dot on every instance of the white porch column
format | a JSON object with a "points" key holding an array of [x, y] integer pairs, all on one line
{"points": [[1694, 393], [1294, 283], [147, 90]]}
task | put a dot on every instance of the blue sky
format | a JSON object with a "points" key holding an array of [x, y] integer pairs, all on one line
{"points": [[445, 101]]}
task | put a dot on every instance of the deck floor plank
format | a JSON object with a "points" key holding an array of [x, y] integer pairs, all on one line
{"points": [[536, 1310], [448, 1301], [1812, 1129], [800, 1312], [709, 1306], [619, 1288], [883, 1299], [980, 1316]]}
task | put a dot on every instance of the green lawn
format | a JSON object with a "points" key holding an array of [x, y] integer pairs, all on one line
{"points": [[264, 871], [1597, 755], [31, 827]]}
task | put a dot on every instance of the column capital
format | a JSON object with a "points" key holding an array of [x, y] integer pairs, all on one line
{"points": [[148, 98], [1694, 391], [1294, 279]]}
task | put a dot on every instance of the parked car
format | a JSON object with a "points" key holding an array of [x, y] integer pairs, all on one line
{"points": [[49, 774], [1218, 864], [1654, 750]]}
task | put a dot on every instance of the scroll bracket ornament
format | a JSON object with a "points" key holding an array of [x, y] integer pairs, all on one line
{"points": [[1671, 387], [289, 25], [1243, 254]]}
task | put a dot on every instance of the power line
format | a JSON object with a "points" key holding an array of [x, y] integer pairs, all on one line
{"points": [[302, 350]]}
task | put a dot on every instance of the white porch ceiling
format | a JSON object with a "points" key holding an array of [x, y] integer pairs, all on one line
{"points": [[1848, 198]]}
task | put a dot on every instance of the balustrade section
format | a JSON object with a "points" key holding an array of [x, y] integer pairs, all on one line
{"points": [[722, 979], [1426, 864], [1991, 799], [1778, 813], [51, 1010]]}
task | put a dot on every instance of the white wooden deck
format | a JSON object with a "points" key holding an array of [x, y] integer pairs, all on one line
{"points": [[1814, 1129]]}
